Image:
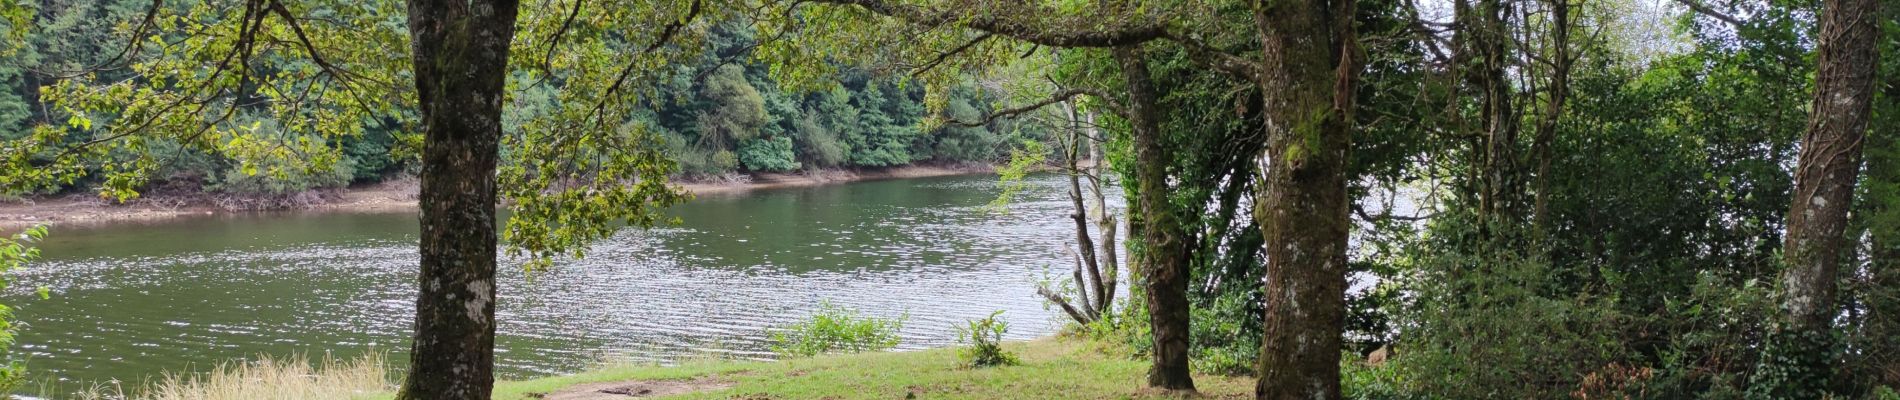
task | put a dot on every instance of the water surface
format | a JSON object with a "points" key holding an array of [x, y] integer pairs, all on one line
{"points": [[132, 300]]}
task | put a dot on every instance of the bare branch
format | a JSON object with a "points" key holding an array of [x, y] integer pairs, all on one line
{"points": [[1064, 303]]}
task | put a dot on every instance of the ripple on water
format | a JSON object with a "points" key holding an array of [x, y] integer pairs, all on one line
{"points": [[925, 249]]}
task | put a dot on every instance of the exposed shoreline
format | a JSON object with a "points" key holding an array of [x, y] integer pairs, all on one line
{"points": [[394, 196]]}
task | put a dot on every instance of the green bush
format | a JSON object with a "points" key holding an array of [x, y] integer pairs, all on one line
{"points": [[725, 161], [1885, 393], [1359, 381], [985, 339], [818, 145], [281, 177], [834, 329], [768, 154]]}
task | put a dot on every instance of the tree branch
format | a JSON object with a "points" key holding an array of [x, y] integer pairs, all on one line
{"points": [[1704, 9], [1242, 68], [1008, 24], [946, 55], [666, 35], [1064, 303], [1059, 97]]}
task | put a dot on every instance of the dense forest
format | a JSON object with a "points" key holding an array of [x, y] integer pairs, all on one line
{"points": [[717, 114], [1340, 198]]}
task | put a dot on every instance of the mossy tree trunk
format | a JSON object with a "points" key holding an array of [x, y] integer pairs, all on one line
{"points": [[1308, 77], [461, 55]]}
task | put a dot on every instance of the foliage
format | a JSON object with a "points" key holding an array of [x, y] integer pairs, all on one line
{"points": [[768, 154], [984, 340], [1359, 381], [15, 253], [834, 329], [1492, 324], [1022, 161], [715, 111]]}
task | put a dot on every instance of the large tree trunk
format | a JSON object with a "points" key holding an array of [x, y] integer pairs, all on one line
{"points": [[1164, 244], [461, 60], [1553, 110], [1308, 82], [1824, 188]]}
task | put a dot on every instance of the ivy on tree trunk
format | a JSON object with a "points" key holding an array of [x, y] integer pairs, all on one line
{"points": [[1798, 359]]}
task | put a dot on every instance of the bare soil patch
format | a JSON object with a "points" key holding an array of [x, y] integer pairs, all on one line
{"points": [[393, 196], [636, 389]]}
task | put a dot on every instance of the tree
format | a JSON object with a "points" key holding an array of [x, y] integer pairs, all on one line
{"points": [[1799, 361], [1309, 83], [461, 57], [1164, 257], [334, 77]]}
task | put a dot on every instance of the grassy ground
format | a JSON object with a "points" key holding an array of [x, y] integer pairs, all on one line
{"points": [[1051, 369]]}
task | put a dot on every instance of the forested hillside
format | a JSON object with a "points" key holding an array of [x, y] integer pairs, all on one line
{"points": [[717, 114]]}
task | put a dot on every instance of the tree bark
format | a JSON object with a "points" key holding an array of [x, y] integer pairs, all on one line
{"points": [[1824, 176], [1084, 245], [1163, 254], [1308, 81], [1553, 110], [461, 62], [1105, 218]]}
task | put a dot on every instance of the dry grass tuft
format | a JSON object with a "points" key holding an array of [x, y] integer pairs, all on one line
{"points": [[267, 378]]}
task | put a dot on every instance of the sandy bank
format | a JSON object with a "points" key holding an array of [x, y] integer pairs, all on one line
{"points": [[85, 209]]}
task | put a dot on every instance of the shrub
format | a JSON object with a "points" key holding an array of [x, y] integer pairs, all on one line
{"points": [[1361, 381], [725, 161], [834, 329], [985, 339], [285, 180], [817, 144], [768, 154]]}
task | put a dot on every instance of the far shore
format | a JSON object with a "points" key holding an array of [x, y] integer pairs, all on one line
{"points": [[399, 195]]}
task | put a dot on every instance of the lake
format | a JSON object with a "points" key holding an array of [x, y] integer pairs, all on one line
{"points": [[131, 301]]}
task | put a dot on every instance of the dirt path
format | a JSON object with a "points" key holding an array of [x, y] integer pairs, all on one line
{"points": [[84, 209], [636, 389]]}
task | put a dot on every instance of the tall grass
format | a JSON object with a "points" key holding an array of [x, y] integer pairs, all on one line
{"points": [[267, 378]]}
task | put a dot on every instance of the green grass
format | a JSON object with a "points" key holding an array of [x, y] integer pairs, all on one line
{"points": [[1051, 369]]}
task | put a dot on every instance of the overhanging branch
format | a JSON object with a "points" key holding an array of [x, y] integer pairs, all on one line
{"points": [[1059, 97], [1699, 8]]}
